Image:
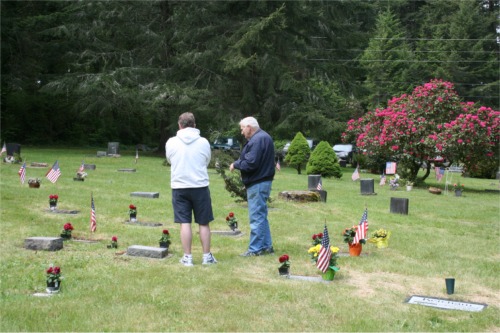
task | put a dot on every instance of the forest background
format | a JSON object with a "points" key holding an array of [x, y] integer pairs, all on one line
{"points": [[85, 73]]}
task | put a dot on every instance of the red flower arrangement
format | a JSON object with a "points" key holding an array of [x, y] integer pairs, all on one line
{"points": [[53, 199], [132, 209], [114, 243], [165, 237], [54, 274], [284, 260], [67, 229], [231, 221], [317, 238]]}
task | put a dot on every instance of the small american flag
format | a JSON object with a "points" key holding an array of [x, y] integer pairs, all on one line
{"points": [[382, 180], [362, 228], [325, 254], [82, 167], [439, 173], [4, 148], [93, 223], [22, 173], [355, 174], [319, 187], [54, 173], [278, 166]]}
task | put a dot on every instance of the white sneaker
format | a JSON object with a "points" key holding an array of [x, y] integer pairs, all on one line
{"points": [[186, 261], [209, 259]]}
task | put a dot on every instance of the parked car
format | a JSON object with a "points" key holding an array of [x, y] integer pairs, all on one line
{"points": [[226, 143], [345, 152]]}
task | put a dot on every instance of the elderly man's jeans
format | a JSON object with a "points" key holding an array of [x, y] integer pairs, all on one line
{"points": [[260, 233]]}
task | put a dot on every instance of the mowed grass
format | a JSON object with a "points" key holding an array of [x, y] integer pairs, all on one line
{"points": [[442, 236]]}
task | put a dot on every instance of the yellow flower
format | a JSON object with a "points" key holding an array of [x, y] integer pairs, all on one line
{"points": [[334, 249]]}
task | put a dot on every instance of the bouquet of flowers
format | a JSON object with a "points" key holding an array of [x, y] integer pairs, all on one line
{"points": [[165, 237], [285, 264], [114, 243], [53, 199], [67, 229], [458, 187], [231, 221], [132, 210], [380, 238], [316, 248], [53, 275], [317, 238]]}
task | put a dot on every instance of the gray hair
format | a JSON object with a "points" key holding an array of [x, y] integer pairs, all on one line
{"points": [[250, 121], [186, 120]]}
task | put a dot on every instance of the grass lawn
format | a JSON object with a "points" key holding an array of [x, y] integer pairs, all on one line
{"points": [[442, 236]]}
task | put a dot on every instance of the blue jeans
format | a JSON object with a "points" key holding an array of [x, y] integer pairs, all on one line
{"points": [[260, 233]]}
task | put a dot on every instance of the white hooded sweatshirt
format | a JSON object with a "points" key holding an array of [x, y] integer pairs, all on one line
{"points": [[189, 155]]}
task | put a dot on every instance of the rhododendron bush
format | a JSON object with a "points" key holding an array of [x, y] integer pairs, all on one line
{"points": [[431, 121]]}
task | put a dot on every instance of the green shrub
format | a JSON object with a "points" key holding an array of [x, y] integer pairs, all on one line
{"points": [[324, 162], [298, 152]]}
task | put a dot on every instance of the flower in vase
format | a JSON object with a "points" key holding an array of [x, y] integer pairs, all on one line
{"points": [[165, 237], [114, 243], [53, 274], [231, 221], [132, 210], [53, 199], [67, 229], [284, 261]]}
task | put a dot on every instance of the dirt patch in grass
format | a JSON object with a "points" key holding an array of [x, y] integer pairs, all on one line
{"points": [[466, 291]]}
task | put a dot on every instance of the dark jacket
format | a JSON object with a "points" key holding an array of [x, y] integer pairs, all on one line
{"points": [[256, 161]]}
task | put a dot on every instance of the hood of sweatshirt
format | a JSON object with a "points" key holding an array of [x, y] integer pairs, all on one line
{"points": [[188, 135]]}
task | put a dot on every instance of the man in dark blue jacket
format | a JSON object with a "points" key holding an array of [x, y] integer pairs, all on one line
{"points": [[256, 164]]}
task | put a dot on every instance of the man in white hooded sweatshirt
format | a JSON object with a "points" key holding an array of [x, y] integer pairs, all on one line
{"points": [[189, 155]]}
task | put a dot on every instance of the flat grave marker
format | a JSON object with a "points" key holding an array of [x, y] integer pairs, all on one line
{"points": [[126, 170], [145, 194], [442, 303], [306, 278], [147, 251], [43, 243], [144, 224]]}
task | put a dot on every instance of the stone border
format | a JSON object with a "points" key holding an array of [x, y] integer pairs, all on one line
{"points": [[306, 278]]}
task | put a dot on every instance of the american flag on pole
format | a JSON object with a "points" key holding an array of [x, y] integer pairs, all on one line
{"points": [[82, 167], [362, 228], [382, 180], [22, 173], [4, 148], [319, 187], [54, 173], [325, 254], [439, 173], [93, 223], [355, 174], [278, 166]]}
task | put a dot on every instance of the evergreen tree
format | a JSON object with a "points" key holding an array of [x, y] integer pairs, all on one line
{"points": [[298, 152], [386, 60], [324, 162]]}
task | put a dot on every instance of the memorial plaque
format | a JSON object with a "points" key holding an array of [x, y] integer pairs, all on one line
{"points": [[113, 148], [313, 181], [367, 186], [446, 304], [399, 205], [89, 166]]}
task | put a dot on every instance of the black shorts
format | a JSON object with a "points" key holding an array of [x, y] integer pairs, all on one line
{"points": [[192, 200]]}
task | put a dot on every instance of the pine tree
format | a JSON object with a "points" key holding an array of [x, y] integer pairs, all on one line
{"points": [[324, 162]]}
